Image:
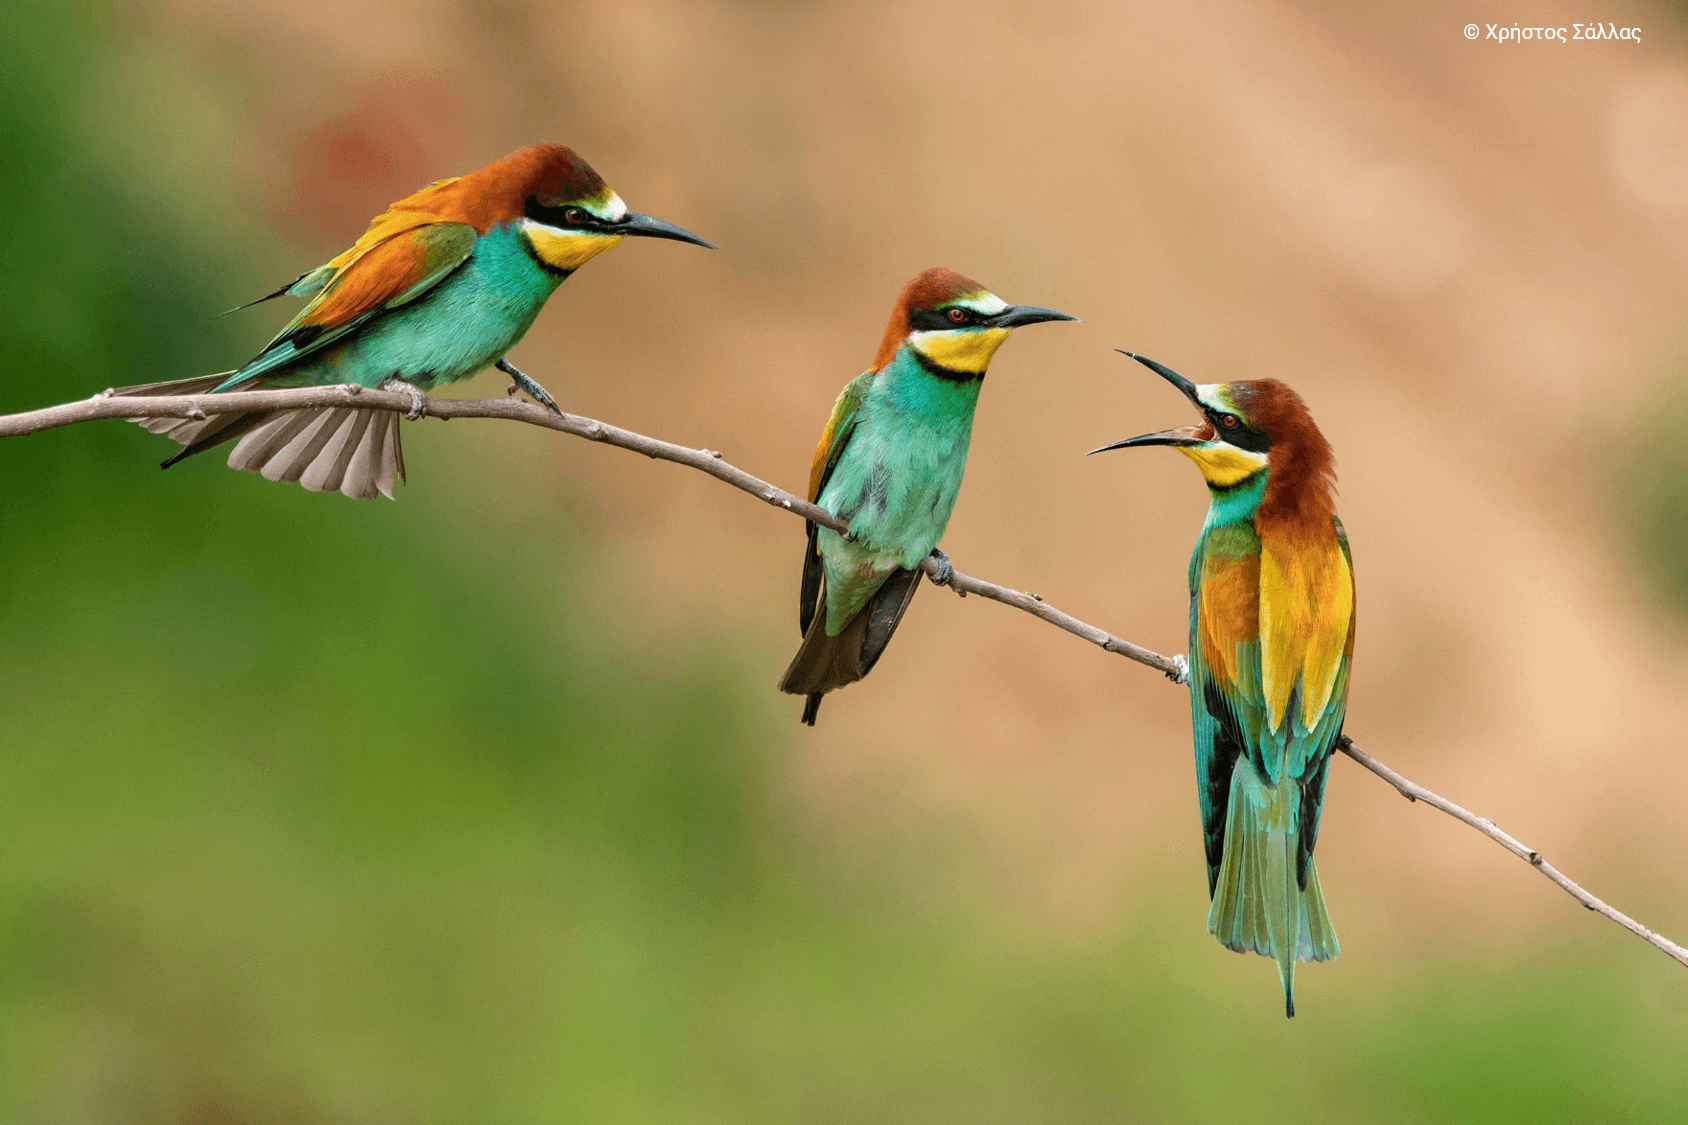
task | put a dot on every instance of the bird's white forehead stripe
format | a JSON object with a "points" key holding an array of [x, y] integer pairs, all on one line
{"points": [[989, 304], [1211, 396], [614, 209]]}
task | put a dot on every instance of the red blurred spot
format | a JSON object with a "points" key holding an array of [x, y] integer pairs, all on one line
{"points": [[393, 137]]}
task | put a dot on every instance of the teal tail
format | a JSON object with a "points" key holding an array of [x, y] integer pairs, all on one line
{"points": [[1258, 903]]}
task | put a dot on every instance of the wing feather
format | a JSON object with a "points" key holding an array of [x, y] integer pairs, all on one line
{"points": [[846, 411], [1272, 635], [410, 256], [1306, 613], [1224, 671]]}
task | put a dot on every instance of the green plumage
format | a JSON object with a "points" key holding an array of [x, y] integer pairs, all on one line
{"points": [[893, 470], [890, 463], [896, 478], [473, 298], [476, 298]]}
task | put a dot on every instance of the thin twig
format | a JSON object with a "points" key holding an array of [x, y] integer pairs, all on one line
{"points": [[712, 462], [1415, 792]]}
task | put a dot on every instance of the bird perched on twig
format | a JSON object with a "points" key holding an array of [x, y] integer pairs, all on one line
{"points": [[438, 288], [890, 462], [1271, 637]]}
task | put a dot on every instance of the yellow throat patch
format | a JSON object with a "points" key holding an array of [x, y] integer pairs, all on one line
{"points": [[968, 350], [567, 250], [1224, 465]]}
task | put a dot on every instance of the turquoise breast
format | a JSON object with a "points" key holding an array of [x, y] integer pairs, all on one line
{"points": [[455, 330], [896, 483]]}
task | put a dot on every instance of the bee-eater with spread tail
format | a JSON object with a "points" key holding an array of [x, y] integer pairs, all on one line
{"points": [[1271, 636], [437, 289], [890, 462]]}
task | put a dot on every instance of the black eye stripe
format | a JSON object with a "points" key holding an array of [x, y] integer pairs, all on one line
{"points": [[559, 216], [940, 320], [1242, 435]]}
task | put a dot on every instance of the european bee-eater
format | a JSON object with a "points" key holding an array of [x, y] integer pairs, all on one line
{"points": [[890, 462], [1271, 637], [438, 288]]}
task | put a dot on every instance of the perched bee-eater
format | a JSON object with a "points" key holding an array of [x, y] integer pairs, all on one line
{"points": [[1271, 636], [890, 462], [437, 289]]}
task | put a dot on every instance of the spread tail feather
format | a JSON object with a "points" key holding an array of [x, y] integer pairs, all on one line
{"points": [[826, 662], [1258, 906], [195, 435], [184, 431], [329, 449]]}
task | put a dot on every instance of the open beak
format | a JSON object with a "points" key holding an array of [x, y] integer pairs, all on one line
{"points": [[1183, 435], [1014, 316], [644, 226]]}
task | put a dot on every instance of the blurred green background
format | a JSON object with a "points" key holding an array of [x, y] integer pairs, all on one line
{"points": [[314, 811]]}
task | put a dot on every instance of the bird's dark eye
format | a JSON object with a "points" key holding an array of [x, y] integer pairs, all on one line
{"points": [[574, 216], [958, 315], [1229, 421]]}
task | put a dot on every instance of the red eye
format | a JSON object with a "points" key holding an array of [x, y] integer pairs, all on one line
{"points": [[1229, 421], [574, 216], [958, 315]]}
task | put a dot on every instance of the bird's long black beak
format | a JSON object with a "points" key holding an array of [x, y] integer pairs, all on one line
{"points": [[1183, 435], [1014, 316], [644, 226], [1188, 388]]}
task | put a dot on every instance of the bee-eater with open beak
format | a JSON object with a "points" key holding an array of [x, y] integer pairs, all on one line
{"points": [[437, 289], [890, 462], [1271, 637]]}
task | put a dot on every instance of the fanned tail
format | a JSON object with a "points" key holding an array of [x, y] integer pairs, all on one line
{"points": [[330, 449], [1258, 905], [325, 449]]}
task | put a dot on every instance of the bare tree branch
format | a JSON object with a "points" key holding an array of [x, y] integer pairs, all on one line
{"points": [[1414, 792], [711, 462]]}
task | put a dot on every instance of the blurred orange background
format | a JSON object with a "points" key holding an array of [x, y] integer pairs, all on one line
{"points": [[1470, 257]]}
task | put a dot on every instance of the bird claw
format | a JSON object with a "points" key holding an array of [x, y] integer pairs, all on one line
{"points": [[528, 387], [1181, 670], [945, 570], [418, 401]]}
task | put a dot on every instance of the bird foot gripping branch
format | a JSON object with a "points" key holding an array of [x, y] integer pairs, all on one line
{"points": [[1180, 673], [945, 571], [528, 386], [418, 400]]}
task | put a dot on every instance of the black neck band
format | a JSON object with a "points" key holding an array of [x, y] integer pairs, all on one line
{"points": [[947, 374]]}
